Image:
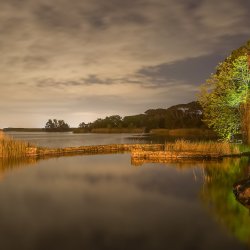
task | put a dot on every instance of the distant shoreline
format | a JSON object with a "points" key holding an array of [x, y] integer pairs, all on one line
{"points": [[180, 132]]}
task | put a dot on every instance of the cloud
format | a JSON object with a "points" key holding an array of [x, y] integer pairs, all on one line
{"points": [[191, 71], [82, 48], [94, 79]]}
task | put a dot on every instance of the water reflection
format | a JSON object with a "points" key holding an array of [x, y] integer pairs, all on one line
{"points": [[62, 139], [101, 202], [217, 194], [9, 164], [220, 179]]}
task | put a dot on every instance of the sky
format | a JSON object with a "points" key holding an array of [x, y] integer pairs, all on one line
{"points": [[79, 60]]}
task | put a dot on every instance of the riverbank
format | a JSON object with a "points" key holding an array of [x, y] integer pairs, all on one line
{"points": [[181, 150]]}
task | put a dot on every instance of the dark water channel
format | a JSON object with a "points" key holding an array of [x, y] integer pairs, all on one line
{"points": [[104, 202]]}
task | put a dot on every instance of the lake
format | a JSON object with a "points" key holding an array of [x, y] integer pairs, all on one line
{"points": [[69, 139], [104, 202]]}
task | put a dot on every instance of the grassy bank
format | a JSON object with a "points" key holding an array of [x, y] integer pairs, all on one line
{"points": [[182, 149], [206, 147]]}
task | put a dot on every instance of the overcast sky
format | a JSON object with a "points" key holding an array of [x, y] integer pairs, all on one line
{"points": [[79, 60]]}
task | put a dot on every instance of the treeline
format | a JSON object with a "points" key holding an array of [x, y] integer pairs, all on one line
{"points": [[178, 116]]}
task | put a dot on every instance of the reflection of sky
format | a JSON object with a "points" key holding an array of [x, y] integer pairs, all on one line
{"points": [[79, 60], [101, 202], [63, 139]]}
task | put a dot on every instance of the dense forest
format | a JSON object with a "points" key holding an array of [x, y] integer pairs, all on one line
{"points": [[179, 116]]}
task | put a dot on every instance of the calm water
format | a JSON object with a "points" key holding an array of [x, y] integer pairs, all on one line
{"points": [[72, 140], [104, 202]]}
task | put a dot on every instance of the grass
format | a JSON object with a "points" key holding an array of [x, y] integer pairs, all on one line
{"points": [[244, 148], [209, 147], [11, 148], [184, 132]]}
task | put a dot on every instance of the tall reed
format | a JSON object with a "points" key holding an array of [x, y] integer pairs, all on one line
{"points": [[12, 148], [205, 147]]}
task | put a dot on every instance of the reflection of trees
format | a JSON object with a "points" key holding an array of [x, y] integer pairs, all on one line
{"points": [[217, 194], [8, 164]]}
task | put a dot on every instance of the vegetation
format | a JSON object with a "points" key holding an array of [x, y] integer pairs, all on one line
{"points": [[185, 150], [11, 148], [56, 126], [185, 132], [225, 97], [209, 147], [178, 116], [182, 116]]}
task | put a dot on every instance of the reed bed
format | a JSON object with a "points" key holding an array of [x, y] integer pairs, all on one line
{"points": [[186, 132], [209, 147], [182, 149], [11, 148]]}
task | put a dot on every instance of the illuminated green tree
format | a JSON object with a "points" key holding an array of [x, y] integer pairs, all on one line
{"points": [[225, 98]]}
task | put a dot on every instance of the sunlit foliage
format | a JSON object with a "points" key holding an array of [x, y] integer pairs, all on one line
{"points": [[225, 94]]}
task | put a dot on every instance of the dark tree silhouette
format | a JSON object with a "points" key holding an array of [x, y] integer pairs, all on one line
{"points": [[56, 126]]}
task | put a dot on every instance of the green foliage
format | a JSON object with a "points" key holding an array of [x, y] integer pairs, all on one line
{"points": [[223, 94], [56, 126]]}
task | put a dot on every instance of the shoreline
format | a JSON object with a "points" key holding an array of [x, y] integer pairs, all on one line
{"points": [[180, 149], [150, 152]]}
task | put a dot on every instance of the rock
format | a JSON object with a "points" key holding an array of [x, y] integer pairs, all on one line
{"points": [[241, 191]]}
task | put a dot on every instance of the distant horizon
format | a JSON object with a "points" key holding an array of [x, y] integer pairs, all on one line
{"points": [[59, 118], [85, 59]]}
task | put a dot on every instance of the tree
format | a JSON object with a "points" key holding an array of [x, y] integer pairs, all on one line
{"points": [[56, 126], [82, 125], [225, 97]]}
